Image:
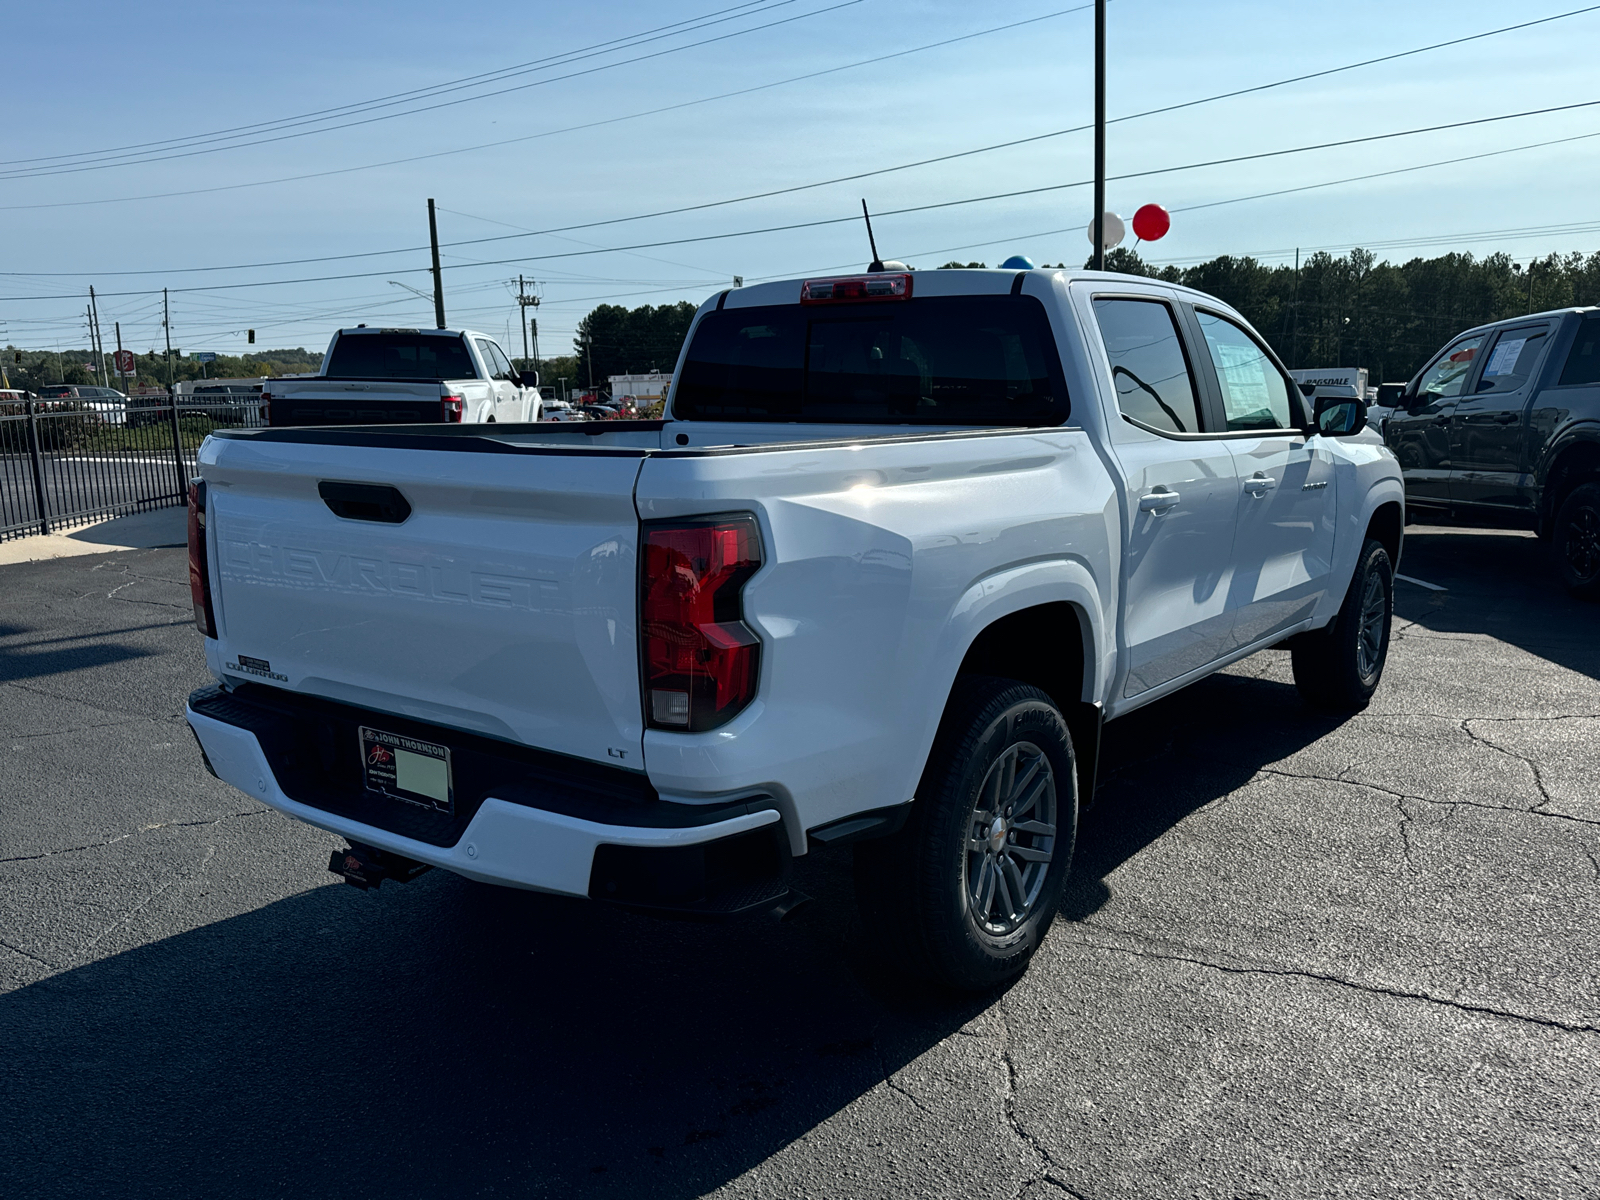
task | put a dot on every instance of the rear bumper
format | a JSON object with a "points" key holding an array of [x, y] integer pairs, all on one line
{"points": [[516, 843]]}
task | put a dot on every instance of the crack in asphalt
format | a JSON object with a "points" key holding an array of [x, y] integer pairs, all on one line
{"points": [[175, 718], [1538, 775], [122, 837], [1405, 835], [1338, 980], [134, 911], [26, 737], [25, 954], [1009, 1108], [1536, 811], [888, 1079], [1593, 862]]}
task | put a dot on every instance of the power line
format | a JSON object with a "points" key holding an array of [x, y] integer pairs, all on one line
{"points": [[649, 112], [850, 178], [910, 208], [393, 96], [41, 173]]}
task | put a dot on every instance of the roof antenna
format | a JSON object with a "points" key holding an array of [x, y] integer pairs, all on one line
{"points": [[877, 263]]}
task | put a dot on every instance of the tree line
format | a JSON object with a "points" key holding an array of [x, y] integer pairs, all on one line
{"points": [[1345, 310], [33, 369], [1353, 311]]}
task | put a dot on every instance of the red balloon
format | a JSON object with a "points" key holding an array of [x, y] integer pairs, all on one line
{"points": [[1151, 223]]}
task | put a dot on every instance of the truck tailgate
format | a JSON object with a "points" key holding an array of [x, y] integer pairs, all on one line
{"points": [[504, 603]]}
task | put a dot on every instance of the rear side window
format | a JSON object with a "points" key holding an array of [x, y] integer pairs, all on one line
{"points": [[1255, 395], [399, 356], [1148, 365], [1583, 360], [1513, 357], [945, 360]]}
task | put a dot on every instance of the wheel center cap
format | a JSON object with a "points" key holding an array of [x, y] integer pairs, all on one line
{"points": [[997, 835]]}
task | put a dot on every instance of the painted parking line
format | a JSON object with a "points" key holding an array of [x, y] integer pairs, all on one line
{"points": [[1422, 583]]}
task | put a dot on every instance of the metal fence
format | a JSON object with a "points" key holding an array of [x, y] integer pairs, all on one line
{"points": [[64, 464]]}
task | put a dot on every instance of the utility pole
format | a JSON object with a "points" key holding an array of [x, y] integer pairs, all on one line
{"points": [[438, 277], [99, 340], [1294, 344], [588, 356], [122, 379], [524, 303], [1099, 259], [166, 324]]}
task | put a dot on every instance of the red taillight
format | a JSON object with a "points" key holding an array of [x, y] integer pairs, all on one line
{"points": [[450, 407], [701, 660], [199, 568], [856, 288]]}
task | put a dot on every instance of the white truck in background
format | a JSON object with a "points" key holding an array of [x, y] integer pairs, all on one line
{"points": [[407, 377], [898, 547]]}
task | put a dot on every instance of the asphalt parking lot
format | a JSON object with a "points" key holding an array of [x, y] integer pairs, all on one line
{"points": [[1299, 956]]}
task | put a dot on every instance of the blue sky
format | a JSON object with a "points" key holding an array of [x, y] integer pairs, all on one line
{"points": [[84, 77]]}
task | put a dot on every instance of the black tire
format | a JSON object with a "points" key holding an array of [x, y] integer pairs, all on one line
{"points": [[1577, 541], [1339, 668], [920, 891]]}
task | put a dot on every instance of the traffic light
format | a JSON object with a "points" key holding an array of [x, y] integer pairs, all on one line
{"points": [[251, 336]]}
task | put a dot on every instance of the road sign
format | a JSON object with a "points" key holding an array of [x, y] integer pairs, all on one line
{"points": [[125, 361], [203, 356]]}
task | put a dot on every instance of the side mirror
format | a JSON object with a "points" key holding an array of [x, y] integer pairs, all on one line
{"points": [[529, 379], [1340, 416]]}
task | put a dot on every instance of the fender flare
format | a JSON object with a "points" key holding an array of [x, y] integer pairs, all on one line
{"points": [[1001, 594]]}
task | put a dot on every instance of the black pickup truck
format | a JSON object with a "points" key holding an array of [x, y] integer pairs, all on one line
{"points": [[1503, 425]]}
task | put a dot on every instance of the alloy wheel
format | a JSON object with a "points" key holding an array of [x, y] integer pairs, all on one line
{"points": [[1583, 544], [1011, 838], [1369, 642]]}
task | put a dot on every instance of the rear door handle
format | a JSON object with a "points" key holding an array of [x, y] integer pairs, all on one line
{"points": [[1157, 501], [1259, 484]]}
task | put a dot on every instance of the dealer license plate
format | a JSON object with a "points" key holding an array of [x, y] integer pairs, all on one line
{"points": [[407, 769]]}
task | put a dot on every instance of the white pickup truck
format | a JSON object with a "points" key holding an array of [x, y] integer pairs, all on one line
{"points": [[407, 377], [901, 543]]}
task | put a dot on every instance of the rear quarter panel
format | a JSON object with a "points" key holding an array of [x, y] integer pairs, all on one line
{"points": [[882, 562]]}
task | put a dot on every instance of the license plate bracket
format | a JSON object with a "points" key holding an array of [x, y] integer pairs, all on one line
{"points": [[407, 769]]}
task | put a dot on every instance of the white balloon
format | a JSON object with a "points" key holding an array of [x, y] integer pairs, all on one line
{"points": [[1114, 231]]}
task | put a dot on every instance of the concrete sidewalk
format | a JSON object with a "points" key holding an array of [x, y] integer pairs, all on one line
{"points": [[141, 531]]}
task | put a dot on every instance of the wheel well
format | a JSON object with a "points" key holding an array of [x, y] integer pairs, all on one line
{"points": [[1044, 646], [1576, 464], [1388, 526]]}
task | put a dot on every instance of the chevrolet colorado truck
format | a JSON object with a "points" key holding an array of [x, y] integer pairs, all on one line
{"points": [[899, 546], [407, 377]]}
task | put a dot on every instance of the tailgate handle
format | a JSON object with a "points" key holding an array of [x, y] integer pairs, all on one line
{"points": [[364, 501]]}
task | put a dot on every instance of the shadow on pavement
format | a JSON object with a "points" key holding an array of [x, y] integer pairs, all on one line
{"points": [[32, 660], [1501, 584], [453, 1039]]}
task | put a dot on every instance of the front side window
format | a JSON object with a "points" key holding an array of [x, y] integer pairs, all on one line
{"points": [[942, 360], [400, 356], [1447, 374], [1583, 360], [1154, 385], [1255, 395], [1512, 358]]}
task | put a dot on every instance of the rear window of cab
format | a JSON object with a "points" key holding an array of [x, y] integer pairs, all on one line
{"points": [[936, 360]]}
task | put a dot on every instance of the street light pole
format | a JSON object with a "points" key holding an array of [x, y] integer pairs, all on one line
{"points": [[1099, 135], [438, 276]]}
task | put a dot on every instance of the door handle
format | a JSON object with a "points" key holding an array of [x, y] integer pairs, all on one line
{"points": [[1157, 501], [1508, 418], [1259, 484]]}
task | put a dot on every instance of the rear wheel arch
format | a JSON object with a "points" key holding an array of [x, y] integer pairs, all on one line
{"points": [[1574, 465], [1051, 647]]}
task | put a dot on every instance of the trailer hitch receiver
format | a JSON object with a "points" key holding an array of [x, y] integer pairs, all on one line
{"points": [[366, 867]]}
